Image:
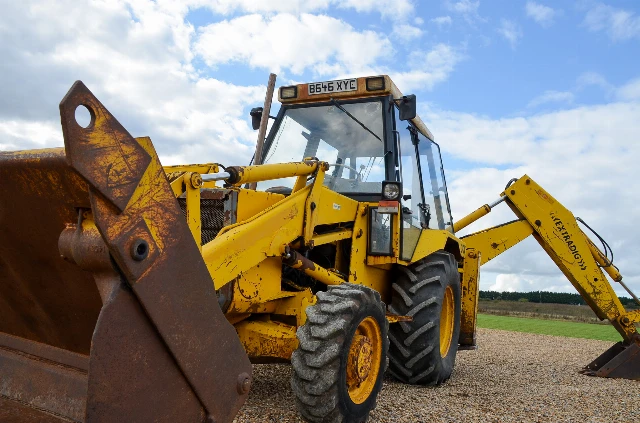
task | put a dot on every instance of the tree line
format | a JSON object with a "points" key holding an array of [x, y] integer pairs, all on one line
{"points": [[544, 297]]}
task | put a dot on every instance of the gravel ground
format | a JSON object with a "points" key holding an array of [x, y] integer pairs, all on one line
{"points": [[512, 377]]}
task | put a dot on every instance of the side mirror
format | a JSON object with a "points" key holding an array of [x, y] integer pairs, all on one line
{"points": [[256, 117], [406, 197], [407, 107]]}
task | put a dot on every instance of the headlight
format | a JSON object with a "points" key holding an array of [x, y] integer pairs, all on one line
{"points": [[375, 84], [391, 190], [288, 92]]}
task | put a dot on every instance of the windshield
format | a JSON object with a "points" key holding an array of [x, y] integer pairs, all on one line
{"points": [[355, 154]]}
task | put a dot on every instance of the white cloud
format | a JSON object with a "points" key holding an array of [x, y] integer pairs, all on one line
{"points": [[544, 15], [467, 7], [511, 31], [321, 43], [406, 32], [629, 91], [552, 97], [516, 282], [136, 58], [23, 134], [442, 20], [428, 68], [594, 78], [394, 9], [584, 156], [619, 24], [510, 282]]}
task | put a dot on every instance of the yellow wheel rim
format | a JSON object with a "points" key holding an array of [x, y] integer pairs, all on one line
{"points": [[363, 361], [446, 321]]}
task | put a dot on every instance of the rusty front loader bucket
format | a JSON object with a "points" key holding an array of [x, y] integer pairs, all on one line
{"points": [[620, 361], [107, 310]]}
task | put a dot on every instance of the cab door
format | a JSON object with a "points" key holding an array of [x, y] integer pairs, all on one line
{"points": [[412, 217], [426, 202]]}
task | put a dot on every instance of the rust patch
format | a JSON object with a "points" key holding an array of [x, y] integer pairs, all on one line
{"points": [[43, 297], [170, 281], [620, 361], [121, 162]]}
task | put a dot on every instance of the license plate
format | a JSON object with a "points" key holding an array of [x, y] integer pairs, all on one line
{"points": [[338, 86]]}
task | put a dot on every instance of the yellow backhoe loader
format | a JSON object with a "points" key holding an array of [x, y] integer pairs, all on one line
{"points": [[135, 292]]}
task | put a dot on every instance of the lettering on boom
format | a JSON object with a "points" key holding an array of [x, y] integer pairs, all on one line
{"points": [[564, 234]]}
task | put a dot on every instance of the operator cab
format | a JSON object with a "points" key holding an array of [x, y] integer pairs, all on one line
{"points": [[377, 148]]}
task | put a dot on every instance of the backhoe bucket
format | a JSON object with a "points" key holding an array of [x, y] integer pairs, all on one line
{"points": [[620, 361], [107, 310]]}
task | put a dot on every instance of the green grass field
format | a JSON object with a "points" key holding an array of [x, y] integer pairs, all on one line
{"points": [[549, 327]]}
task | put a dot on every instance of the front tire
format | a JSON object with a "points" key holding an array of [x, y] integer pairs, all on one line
{"points": [[342, 355], [423, 351]]}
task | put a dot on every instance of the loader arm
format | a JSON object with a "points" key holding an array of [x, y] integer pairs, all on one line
{"points": [[557, 231]]}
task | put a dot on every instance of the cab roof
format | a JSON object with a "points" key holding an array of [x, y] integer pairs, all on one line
{"points": [[362, 87]]}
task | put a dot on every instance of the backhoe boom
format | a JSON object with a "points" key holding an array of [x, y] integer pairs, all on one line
{"points": [[557, 231]]}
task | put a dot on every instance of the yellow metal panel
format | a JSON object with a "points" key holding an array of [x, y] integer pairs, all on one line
{"points": [[335, 208], [432, 240], [193, 182], [359, 271], [301, 182], [396, 227], [177, 186], [256, 287], [252, 202], [264, 340], [296, 305], [558, 233], [495, 241], [470, 293], [311, 205], [142, 197], [239, 247], [383, 261]]}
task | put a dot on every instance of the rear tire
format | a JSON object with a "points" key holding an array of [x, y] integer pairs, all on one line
{"points": [[423, 351], [330, 382]]}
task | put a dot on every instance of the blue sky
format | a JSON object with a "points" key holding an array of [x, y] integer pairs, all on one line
{"points": [[496, 76], [551, 89]]}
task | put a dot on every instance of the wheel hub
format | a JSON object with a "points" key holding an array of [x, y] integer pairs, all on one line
{"points": [[360, 357], [364, 360]]}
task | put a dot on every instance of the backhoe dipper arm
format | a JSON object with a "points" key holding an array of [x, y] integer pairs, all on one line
{"points": [[557, 231]]}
